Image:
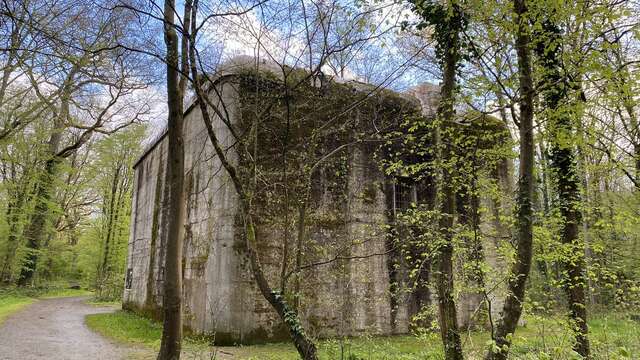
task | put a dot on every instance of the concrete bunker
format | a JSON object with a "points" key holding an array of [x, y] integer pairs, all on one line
{"points": [[351, 271]]}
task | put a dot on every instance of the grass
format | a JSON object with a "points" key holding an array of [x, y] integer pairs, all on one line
{"points": [[126, 327], [612, 337], [10, 304], [131, 329], [59, 292]]}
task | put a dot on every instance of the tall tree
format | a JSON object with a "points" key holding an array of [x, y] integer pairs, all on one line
{"points": [[520, 270], [177, 67], [19, 162], [560, 114], [80, 81], [449, 21]]}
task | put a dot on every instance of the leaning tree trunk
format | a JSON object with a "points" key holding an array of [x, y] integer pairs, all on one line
{"points": [[520, 271], [171, 344], [289, 316], [567, 182], [303, 343]]}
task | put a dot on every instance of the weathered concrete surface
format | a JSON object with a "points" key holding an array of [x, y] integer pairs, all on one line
{"points": [[340, 298], [219, 293], [350, 293], [54, 329]]}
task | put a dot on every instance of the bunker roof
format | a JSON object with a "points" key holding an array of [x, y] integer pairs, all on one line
{"points": [[239, 64]]}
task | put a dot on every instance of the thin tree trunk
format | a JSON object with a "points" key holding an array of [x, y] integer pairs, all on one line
{"points": [[520, 271], [171, 344], [103, 269], [567, 181], [444, 276], [541, 264], [444, 281], [301, 234], [544, 171], [289, 316]]}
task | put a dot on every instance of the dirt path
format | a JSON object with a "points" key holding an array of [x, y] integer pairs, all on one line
{"points": [[54, 329]]}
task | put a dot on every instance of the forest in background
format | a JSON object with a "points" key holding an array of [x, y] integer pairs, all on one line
{"points": [[83, 85]]}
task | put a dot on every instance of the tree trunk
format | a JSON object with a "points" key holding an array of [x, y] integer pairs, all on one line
{"points": [[520, 271], [444, 276], [171, 344], [103, 267], [36, 230], [544, 171], [15, 215], [444, 280], [564, 168], [289, 316]]}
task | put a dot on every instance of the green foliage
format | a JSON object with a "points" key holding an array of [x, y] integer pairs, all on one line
{"points": [[114, 179], [291, 317], [75, 221], [587, 75], [448, 20], [543, 337], [478, 171]]}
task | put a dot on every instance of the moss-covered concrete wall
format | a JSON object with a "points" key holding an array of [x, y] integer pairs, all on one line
{"points": [[345, 216], [345, 285]]}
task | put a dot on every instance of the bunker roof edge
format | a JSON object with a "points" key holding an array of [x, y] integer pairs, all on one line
{"points": [[235, 65]]}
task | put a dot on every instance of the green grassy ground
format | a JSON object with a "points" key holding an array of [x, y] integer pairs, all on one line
{"points": [[9, 304], [126, 327], [612, 337], [58, 293], [14, 299]]}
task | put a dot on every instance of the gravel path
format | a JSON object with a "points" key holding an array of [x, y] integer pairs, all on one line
{"points": [[54, 329]]}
